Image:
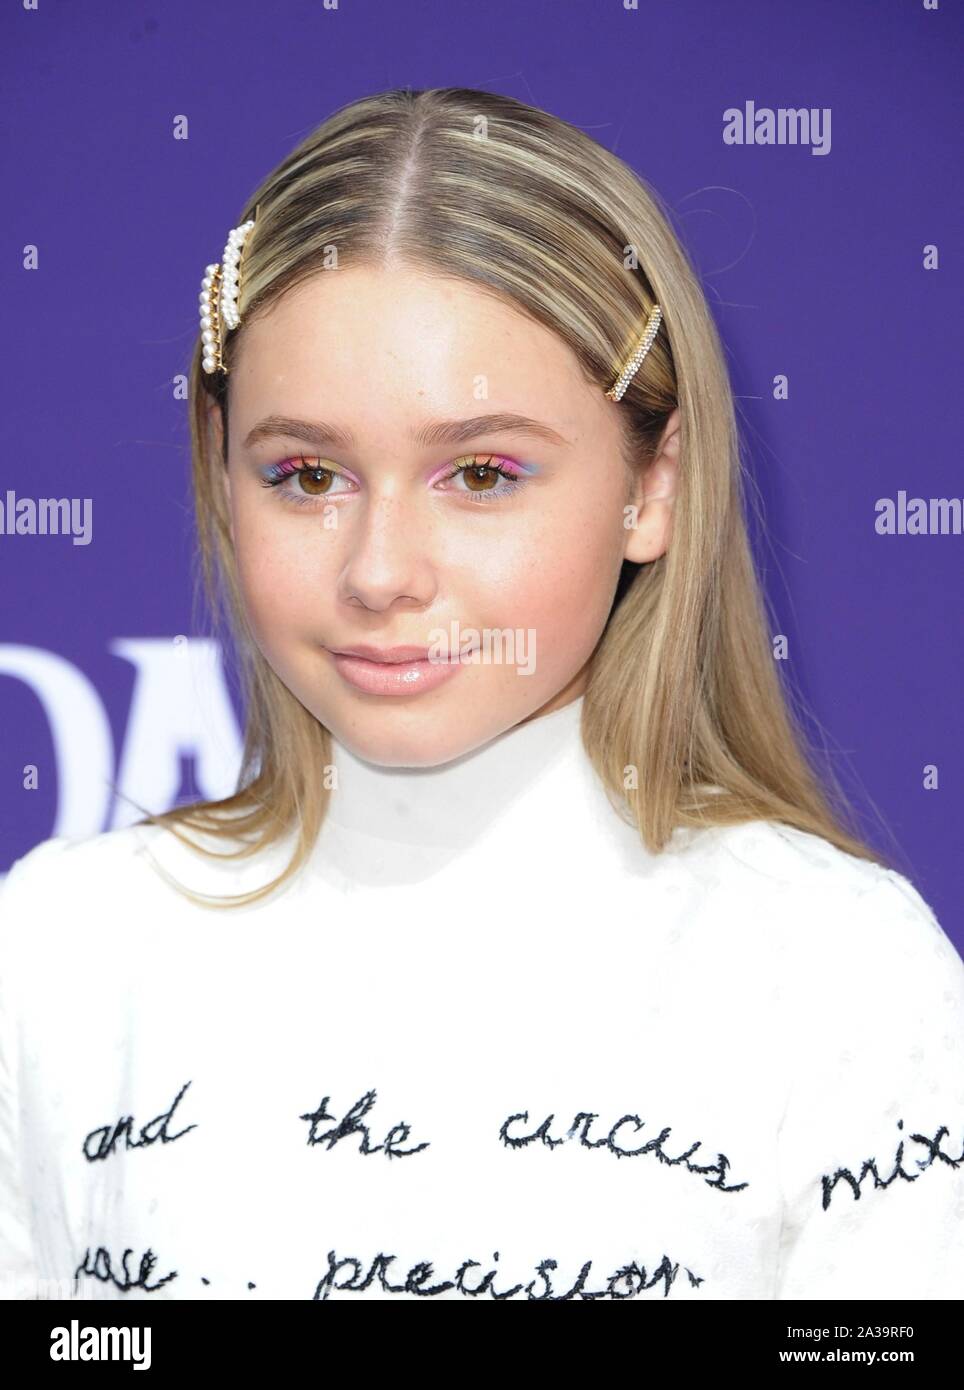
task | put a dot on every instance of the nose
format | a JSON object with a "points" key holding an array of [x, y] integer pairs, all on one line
{"points": [[388, 553]]}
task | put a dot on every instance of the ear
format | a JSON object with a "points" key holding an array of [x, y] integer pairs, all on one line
{"points": [[653, 496]]}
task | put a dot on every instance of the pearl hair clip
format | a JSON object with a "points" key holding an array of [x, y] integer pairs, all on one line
{"points": [[619, 386], [220, 296]]}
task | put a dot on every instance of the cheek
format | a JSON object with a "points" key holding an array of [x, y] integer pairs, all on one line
{"points": [[279, 571], [560, 579]]}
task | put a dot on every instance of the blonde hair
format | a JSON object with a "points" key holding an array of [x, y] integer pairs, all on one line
{"points": [[683, 684]]}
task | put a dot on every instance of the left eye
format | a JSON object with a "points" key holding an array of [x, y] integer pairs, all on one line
{"points": [[481, 474]]}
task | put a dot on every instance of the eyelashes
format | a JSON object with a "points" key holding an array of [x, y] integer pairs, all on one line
{"points": [[303, 480]]}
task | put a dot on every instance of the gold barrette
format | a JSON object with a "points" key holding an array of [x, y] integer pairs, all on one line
{"points": [[618, 388]]}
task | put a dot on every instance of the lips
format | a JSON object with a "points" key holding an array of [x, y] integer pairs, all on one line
{"points": [[390, 656], [389, 674]]}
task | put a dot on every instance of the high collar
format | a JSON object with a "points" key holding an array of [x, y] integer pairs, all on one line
{"points": [[449, 804], [401, 824]]}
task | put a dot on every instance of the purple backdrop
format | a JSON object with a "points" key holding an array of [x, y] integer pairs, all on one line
{"points": [[814, 255]]}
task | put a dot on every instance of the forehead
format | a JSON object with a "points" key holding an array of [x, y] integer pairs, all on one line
{"points": [[402, 342]]}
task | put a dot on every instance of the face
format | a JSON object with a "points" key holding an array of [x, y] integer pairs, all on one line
{"points": [[438, 475]]}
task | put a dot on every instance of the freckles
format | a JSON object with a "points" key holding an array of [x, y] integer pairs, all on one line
{"points": [[571, 588], [275, 592], [496, 566], [261, 563], [265, 605], [271, 549]]}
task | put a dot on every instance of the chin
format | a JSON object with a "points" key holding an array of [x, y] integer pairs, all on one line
{"points": [[389, 742], [390, 754]]}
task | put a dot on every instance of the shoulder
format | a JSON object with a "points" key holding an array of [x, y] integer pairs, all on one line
{"points": [[60, 889], [783, 855], [868, 971], [50, 861], [59, 867], [872, 907], [111, 868], [785, 859], [126, 871], [835, 918]]}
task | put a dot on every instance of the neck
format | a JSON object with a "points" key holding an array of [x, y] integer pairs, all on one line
{"points": [[446, 805], [390, 824]]}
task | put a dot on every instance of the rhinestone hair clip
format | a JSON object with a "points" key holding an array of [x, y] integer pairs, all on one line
{"points": [[220, 296], [618, 388]]}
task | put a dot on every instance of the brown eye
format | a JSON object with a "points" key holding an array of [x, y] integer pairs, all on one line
{"points": [[479, 476], [315, 481]]}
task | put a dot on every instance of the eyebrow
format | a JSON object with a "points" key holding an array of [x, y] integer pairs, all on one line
{"points": [[321, 434]]}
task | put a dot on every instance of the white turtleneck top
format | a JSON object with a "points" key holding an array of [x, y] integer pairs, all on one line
{"points": [[484, 1046]]}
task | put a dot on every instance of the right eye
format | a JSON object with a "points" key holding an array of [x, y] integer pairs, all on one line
{"points": [[315, 479]]}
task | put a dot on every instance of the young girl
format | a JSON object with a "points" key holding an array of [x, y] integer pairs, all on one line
{"points": [[543, 967]]}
